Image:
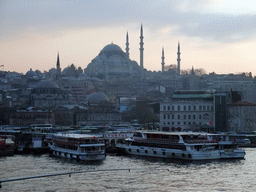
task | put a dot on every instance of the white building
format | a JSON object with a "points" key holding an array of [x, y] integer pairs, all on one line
{"points": [[187, 110]]}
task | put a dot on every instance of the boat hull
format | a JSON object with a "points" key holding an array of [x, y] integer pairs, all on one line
{"points": [[7, 153], [97, 156], [181, 154]]}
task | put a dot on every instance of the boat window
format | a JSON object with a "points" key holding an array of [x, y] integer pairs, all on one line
{"points": [[137, 134], [198, 147], [229, 146]]}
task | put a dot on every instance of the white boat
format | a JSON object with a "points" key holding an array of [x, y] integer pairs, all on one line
{"points": [[181, 145], [82, 147]]}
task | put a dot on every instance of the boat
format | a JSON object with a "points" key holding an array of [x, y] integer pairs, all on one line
{"points": [[181, 145], [35, 138], [7, 145], [114, 137], [84, 147]]}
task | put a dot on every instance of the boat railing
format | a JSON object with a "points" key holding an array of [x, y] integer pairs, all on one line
{"points": [[200, 141], [156, 140]]}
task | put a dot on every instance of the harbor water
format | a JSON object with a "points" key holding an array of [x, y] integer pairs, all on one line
{"points": [[146, 174]]}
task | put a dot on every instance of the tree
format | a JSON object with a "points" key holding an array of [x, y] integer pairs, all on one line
{"points": [[143, 114], [200, 72]]}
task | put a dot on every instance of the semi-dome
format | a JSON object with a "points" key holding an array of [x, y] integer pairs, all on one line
{"points": [[97, 97], [46, 84], [111, 47]]}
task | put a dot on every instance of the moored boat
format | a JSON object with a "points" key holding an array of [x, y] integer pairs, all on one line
{"points": [[7, 145], [83, 147], [182, 145], [114, 137]]}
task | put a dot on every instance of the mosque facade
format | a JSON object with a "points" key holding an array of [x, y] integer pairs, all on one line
{"points": [[112, 61], [48, 94]]}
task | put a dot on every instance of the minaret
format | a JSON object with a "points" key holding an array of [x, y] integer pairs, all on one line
{"points": [[163, 60], [192, 71], [178, 59], [58, 66], [141, 47], [127, 45]]}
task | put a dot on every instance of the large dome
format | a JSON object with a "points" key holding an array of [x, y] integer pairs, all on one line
{"points": [[46, 84], [111, 47], [97, 97]]}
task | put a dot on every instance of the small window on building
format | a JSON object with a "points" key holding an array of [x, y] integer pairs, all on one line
{"points": [[184, 117], [189, 116], [204, 107], [164, 108], [194, 116], [194, 108], [173, 108], [189, 108], [168, 108], [168, 116], [172, 116], [178, 108], [178, 116], [164, 116], [200, 108], [184, 107], [208, 108]]}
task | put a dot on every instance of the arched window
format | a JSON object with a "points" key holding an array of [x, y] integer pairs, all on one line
{"points": [[206, 116]]}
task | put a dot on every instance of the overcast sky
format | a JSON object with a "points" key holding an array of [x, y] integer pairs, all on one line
{"points": [[217, 35]]}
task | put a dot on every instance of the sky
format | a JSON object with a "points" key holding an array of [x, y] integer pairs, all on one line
{"points": [[216, 35]]}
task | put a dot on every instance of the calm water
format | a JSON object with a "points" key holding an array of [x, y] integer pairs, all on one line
{"points": [[145, 175]]}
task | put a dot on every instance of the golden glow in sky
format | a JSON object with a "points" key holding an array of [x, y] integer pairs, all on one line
{"points": [[215, 35]]}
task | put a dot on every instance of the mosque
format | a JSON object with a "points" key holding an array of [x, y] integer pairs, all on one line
{"points": [[112, 61]]}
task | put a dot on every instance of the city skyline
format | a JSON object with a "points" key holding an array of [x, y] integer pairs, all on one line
{"points": [[216, 36]]}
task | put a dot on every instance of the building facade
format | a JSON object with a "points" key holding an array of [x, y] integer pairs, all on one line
{"points": [[242, 117], [28, 117], [187, 110]]}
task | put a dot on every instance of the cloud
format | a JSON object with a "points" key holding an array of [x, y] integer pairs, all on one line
{"points": [[223, 28], [186, 17]]}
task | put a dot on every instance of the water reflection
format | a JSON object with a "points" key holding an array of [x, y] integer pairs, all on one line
{"points": [[146, 174]]}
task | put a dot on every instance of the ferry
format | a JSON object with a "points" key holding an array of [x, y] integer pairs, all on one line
{"points": [[84, 147], [182, 145]]}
